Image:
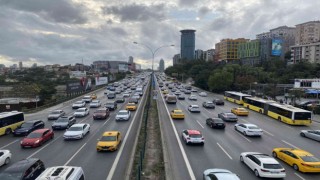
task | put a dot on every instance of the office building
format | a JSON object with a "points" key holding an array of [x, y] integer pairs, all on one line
{"points": [[227, 50], [198, 54], [20, 65], [187, 44], [161, 65], [307, 33], [305, 53], [176, 59], [249, 52], [209, 55]]}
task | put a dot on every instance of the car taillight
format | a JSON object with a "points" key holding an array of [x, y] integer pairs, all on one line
{"points": [[264, 170], [304, 164]]}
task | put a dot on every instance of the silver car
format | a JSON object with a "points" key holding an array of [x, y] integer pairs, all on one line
{"points": [[219, 174], [312, 134]]}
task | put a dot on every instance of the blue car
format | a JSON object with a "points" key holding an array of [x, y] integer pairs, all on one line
{"points": [[27, 127]]}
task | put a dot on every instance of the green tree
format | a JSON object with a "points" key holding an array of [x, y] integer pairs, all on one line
{"points": [[220, 80]]}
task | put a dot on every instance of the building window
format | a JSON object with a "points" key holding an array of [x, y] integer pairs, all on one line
{"points": [[305, 84]]}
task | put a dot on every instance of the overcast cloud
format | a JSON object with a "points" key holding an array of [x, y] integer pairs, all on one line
{"points": [[69, 31]]}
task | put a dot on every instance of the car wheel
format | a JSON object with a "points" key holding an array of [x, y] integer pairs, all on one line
{"points": [[211, 125], [256, 173], [7, 161], [241, 158], [235, 128], [244, 133], [274, 154], [295, 167], [8, 131], [302, 134], [81, 136]]}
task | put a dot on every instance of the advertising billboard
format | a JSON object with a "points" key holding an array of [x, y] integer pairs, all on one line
{"points": [[83, 85], [101, 80], [276, 47]]}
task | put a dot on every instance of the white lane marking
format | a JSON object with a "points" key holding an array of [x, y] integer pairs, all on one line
{"points": [[244, 120], [267, 132], [42, 148], [200, 124], [116, 161], [9, 144], [208, 111], [224, 151], [290, 144], [243, 136], [299, 176], [184, 155], [75, 154]]}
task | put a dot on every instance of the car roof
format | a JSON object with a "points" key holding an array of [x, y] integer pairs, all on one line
{"points": [[32, 121], [81, 108], [21, 165], [177, 110], [251, 125], [123, 110], [300, 152], [193, 132], [40, 130], [130, 103], [110, 133], [79, 102], [78, 125], [194, 105]]}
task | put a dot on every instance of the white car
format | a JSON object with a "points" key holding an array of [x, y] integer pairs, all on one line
{"points": [[125, 95], [248, 129], [136, 96], [263, 165], [81, 112], [87, 99], [77, 131], [194, 108], [192, 136], [192, 97], [5, 157], [123, 115], [203, 94], [194, 90], [95, 104], [78, 104]]}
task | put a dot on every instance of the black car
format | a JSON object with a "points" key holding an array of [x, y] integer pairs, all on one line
{"points": [[227, 116], [27, 127], [120, 100], [111, 95], [208, 104], [218, 102], [111, 105], [26, 169], [181, 97], [215, 123], [133, 100]]}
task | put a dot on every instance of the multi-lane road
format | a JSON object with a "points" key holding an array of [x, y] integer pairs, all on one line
{"points": [[97, 166], [223, 147]]}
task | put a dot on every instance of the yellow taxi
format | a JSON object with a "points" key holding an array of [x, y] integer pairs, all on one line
{"points": [[299, 159], [109, 141], [177, 114], [165, 91], [131, 107], [240, 111], [93, 96]]}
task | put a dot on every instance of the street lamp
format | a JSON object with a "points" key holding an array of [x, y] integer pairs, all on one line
{"points": [[153, 52]]}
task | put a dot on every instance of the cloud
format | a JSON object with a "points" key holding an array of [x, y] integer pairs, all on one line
{"points": [[61, 11], [135, 12]]}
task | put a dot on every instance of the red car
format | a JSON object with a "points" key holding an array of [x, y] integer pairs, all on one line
{"points": [[37, 138]]}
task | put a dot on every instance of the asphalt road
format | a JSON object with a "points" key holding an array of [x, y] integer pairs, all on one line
{"points": [[96, 165], [223, 147]]}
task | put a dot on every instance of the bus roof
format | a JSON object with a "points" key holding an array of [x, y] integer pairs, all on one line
{"points": [[237, 93], [6, 114], [261, 100], [289, 107]]}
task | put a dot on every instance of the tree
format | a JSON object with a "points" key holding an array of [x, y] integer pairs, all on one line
{"points": [[220, 80]]}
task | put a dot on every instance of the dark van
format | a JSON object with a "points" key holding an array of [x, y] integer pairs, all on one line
{"points": [[27, 169]]}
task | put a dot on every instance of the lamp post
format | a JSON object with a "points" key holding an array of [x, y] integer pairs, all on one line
{"points": [[153, 52]]}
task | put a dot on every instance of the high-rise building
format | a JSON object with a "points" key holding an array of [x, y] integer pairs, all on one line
{"points": [[227, 49], [198, 54], [130, 61], [20, 65], [249, 52], [161, 65], [176, 59], [307, 52], [209, 55], [187, 44], [307, 33]]}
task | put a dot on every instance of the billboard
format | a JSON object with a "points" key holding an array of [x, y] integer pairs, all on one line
{"points": [[101, 80], [83, 85], [276, 47]]}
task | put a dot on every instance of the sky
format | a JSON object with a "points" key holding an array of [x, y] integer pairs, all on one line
{"points": [[75, 31]]}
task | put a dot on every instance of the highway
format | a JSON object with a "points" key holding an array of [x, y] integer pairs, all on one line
{"points": [[96, 165], [223, 147]]}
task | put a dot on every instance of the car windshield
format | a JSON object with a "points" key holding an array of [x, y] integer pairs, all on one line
{"points": [[122, 113], [100, 111], [272, 166], [80, 110], [195, 135], [309, 159], [110, 104], [195, 107], [75, 129], [108, 138], [209, 103], [178, 112], [34, 135], [253, 127], [26, 125], [62, 120], [95, 101], [218, 120], [230, 115], [55, 112], [78, 102]]}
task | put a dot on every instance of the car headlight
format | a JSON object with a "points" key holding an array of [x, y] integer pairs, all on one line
{"points": [[21, 142], [37, 141]]}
